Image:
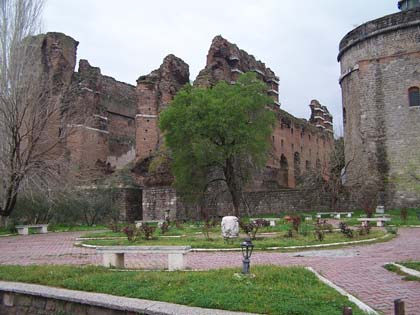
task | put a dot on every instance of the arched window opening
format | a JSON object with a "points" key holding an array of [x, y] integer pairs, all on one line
{"points": [[414, 96]]}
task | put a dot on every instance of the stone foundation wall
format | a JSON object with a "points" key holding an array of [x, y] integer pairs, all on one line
{"points": [[31, 299], [157, 200], [23, 304]]}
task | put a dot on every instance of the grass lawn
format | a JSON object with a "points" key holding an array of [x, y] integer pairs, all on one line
{"points": [[198, 241], [274, 290], [409, 264]]}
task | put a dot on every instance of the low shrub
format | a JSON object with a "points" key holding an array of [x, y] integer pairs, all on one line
{"points": [[364, 229], [207, 226], [319, 233], [132, 232], [296, 222], [251, 228], [344, 228], [289, 233], [148, 231], [164, 228], [322, 227]]}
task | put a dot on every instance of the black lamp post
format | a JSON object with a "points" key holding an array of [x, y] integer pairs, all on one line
{"points": [[247, 248]]}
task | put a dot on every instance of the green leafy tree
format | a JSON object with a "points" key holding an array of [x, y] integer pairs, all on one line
{"points": [[218, 134]]}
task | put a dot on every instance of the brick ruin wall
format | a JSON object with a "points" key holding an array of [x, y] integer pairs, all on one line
{"points": [[379, 63], [155, 91], [298, 145], [107, 138], [118, 126], [102, 129]]}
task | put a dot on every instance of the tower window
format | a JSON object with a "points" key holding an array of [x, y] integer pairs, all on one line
{"points": [[414, 96], [344, 115]]}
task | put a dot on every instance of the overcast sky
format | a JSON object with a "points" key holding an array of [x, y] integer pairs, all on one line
{"points": [[297, 39]]}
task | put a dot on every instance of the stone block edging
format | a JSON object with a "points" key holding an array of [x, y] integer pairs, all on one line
{"points": [[407, 270], [268, 248], [107, 301], [364, 307]]}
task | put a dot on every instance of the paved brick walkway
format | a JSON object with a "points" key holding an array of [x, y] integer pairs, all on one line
{"points": [[357, 269]]}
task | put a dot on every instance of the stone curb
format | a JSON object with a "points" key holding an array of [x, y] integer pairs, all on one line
{"points": [[266, 249], [145, 307], [364, 307], [5, 235], [407, 270], [330, 244]]}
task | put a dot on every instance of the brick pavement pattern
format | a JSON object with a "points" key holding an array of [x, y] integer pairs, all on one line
{"points": [[357, 269]]}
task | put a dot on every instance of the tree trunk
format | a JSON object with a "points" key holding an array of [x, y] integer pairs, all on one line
{"points": [[3, 221], [11, 196], [229, 172]]}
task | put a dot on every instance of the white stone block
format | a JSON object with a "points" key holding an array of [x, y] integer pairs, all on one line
{"points": [[230, 227], [380, 209], [113, 260], [176, 262], [23, 231]]}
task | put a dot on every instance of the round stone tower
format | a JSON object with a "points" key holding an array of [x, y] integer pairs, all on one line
{"points": [[380, 82], [408, 4]]}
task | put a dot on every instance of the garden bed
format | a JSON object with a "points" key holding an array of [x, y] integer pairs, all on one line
{"points": [[217, 242], [413, 265], [273, 290]]}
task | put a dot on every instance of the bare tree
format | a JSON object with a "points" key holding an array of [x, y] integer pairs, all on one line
{"points": [[328, 178], [30, 113]]}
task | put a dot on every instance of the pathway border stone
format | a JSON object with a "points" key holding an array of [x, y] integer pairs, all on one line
{"points": [[364, 307], [203, 250], [407, 270], [113, 302]]}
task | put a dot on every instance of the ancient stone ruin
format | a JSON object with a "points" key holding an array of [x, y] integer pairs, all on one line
{"points": [[120, 138]]}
